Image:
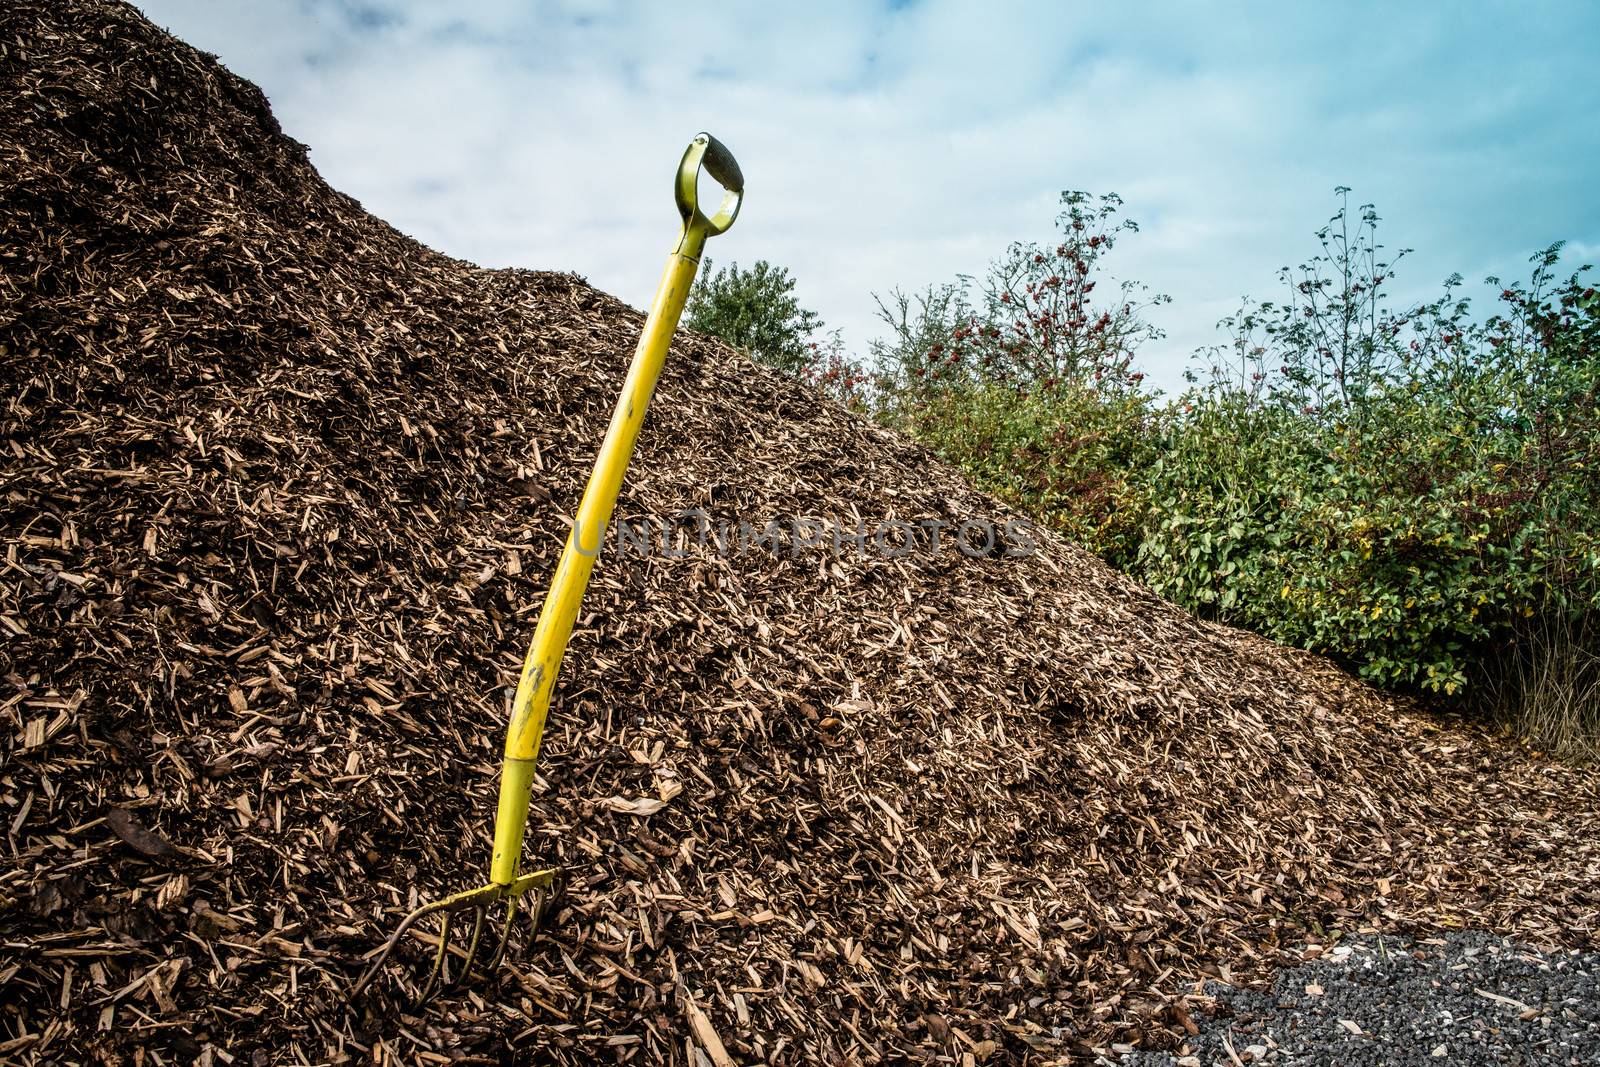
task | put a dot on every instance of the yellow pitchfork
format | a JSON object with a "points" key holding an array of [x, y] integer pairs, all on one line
{"points": [[560, 610]]}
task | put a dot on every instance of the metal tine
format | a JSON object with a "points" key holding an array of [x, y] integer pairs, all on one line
{"points": [[440, 963], [440, 978], [479, 914], [493, 962], [535, 911], [387, 951], [541, 902]]}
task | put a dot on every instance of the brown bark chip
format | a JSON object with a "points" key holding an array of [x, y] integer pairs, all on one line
{"points": [[282, 492], [126, 825]]}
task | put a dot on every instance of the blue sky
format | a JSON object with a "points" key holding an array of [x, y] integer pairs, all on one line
{"points": [[901, 144]]}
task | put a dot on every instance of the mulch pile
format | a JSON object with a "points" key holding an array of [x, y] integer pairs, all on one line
{"points": [[282, 490]]}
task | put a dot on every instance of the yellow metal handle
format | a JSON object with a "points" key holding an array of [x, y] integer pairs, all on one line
{"points": [[532, 701]]}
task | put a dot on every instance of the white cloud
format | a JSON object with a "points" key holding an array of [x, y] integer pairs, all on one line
{"points": [[900, 147]]}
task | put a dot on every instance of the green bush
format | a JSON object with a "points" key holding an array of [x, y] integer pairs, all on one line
{"points": [[1070, 455], [1029, 387], [1217, 500], [1404, 527], [1434, 525], [1412, 491], [755, 310], [1367, 541]]}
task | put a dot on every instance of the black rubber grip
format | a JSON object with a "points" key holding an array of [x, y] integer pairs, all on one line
{"points": [[720, 162]]}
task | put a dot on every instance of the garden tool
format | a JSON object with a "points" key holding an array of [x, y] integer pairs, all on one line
{"points": [[506, 883]]}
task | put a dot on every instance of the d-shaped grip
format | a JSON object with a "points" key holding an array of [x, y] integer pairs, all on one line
{"points": [[721, 165], [708, 152]]}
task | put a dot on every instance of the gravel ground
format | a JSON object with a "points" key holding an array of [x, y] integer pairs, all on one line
{"points": [[1464, 999]]}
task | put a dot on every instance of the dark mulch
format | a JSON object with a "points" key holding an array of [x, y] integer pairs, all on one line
{"points": [[1463, 999]]}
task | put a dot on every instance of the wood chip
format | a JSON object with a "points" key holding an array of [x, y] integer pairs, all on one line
{"points": [[126, 825], [707, 1035]]}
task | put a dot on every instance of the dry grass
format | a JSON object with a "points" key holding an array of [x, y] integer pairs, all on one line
{"points": [[1545, 687]]}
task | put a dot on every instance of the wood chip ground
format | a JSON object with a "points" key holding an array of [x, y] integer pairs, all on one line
{"points": [[282, 490]]}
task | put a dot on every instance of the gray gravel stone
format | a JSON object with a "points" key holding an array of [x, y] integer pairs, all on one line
{"points": [[1461, 999]]}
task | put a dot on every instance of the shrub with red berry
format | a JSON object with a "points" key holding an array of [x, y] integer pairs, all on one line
{"points": [[1047, 307]]}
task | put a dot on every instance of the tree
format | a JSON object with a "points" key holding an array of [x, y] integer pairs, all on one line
{"points": [[1333, 341], [1038, 321], [931, 341], [755, 310], [1042, 321]]}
